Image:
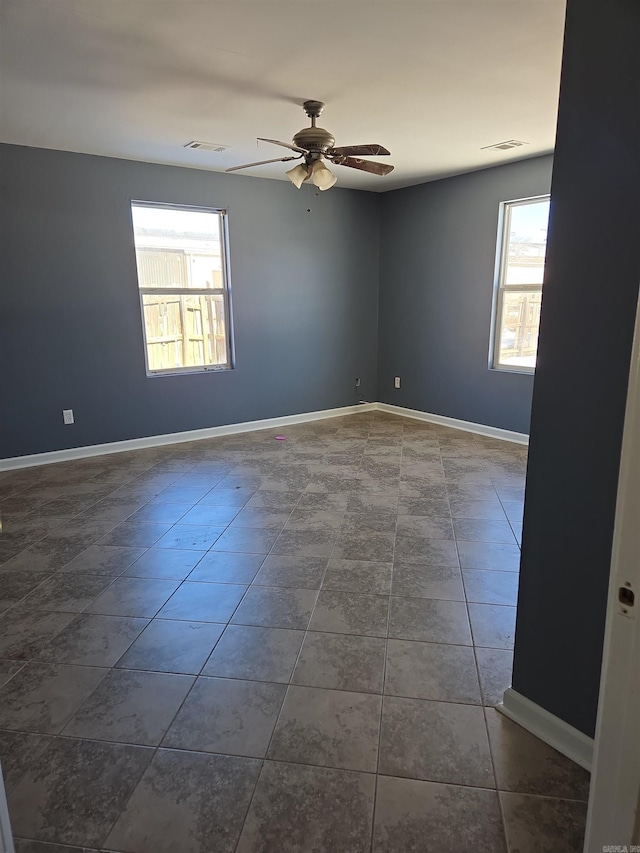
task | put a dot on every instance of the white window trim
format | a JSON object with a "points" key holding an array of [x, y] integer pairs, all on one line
{"points": [[225, 292], [499, 288]]}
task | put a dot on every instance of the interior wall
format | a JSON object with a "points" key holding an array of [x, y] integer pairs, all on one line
{"points": [[590, 296], [437, 266], [304, 289]]}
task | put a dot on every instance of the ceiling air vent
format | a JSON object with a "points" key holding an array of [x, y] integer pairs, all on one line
{"points": [[504, 146], [205, 146]]}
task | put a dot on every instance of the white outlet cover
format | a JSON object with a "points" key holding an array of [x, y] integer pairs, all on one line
{"points": [[67, 416], [396, 382]]}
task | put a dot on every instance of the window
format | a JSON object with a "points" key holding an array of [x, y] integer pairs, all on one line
{"points": [[181, 254], [521, 254]]}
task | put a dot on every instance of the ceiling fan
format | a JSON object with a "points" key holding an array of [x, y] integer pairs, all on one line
{"points": [[314, 145]]}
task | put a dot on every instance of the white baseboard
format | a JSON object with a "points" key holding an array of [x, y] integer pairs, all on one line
{"points": [[175, 437], [249, 426], [549, 728], [454, 423]]}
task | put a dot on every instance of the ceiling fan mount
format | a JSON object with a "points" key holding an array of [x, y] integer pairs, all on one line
{"points": [[315, 144], [313, 108]]}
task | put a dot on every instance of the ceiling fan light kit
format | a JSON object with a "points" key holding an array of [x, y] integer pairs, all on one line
{"points": [[298, 175], [315, 145]]}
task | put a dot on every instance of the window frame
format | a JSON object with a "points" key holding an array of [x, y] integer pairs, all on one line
{"points": [[225, 292], [499, 286]]}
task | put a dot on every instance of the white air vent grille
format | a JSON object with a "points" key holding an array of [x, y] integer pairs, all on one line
{"points": [[504, 146], [205, 146]]}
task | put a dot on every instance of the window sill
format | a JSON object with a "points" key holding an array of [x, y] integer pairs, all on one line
{"points": [[189, 371], [521, 370]]}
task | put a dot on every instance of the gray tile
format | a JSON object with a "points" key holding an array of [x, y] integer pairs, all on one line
{"points": [[133, 597], [430, 620], [187, 802], [351, 613], [489, 555], [181, 494], [164, 563], [431, 671], [24, 846], [283, 501], [248, 540], [358, 576], [435, 741], [203, 602], [25, 632], [330, 728], [272, 607], [8, 669], [191, 537], [93, 640], [514, 510], [493, 625], [488, 508], [372, 520], [305, 543], [426, 552], [135, 535], [227, 497], [76, 790], [495, 668], [541, 824], [491, 587], [299, 572], [419, 527], [414, 580], [217, 516], [483, 530], [43, 697], [131, 707], [166, 646], [447, 819], [511, 492], [298, 809], [159, 513], [18, 751], [527, 765], [377, 506], [16, 585], [341, 662], [517, 527], [471, 491], [103, 560], [354, 544], [227, 567], [267, 518], [424, 506], [259, 654], [322, 500], [227, 716], [68, 592]]}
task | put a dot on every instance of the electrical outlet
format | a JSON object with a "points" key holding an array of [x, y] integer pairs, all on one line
{"points": [[357, 382], [67, 416], [396, 382]]}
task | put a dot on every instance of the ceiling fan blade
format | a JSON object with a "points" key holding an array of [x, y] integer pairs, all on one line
{"points": [[284, 144], [261, 163], [365, 165], [360, 150]]}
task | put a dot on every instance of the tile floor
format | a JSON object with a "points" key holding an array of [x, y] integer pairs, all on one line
{"points": [[262, 646]]}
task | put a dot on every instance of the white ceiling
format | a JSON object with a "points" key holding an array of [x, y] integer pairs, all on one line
{"points": [[432, 81]]}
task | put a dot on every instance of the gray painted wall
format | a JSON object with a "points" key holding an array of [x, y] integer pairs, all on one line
{"points": [[304, 300], [591, 291], [438, 246]]}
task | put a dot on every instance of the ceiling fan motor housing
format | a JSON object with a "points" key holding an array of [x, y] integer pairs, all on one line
{"points": [[314, 139]]}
